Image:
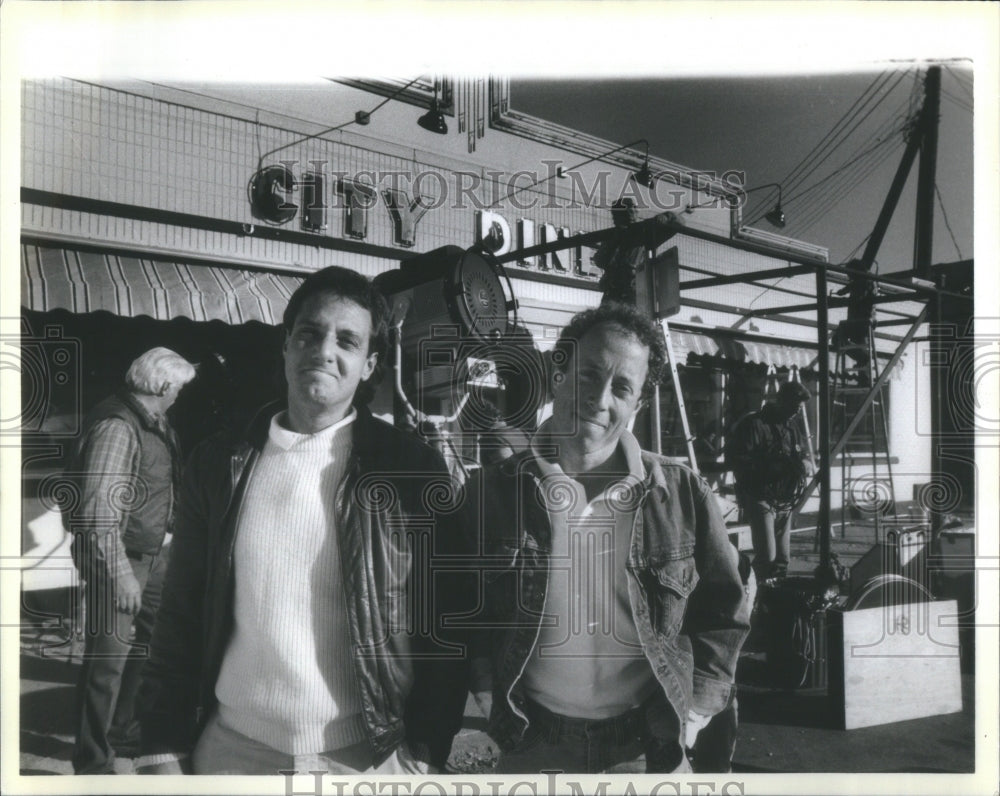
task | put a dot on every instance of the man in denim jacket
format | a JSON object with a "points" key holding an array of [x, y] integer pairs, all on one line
{"points": [[614, 606]]}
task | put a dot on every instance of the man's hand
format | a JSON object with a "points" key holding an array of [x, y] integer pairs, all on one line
{"points": [[411, 764], [695, 724], [128, 595]]}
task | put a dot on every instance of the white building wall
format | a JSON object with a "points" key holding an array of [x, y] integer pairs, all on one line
{"points": [[190, 152]]}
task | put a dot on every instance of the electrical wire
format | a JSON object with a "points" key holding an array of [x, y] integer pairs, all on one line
{"points": [[957, 100], [944, 215], [863, 111], [851, 173], [867, 112], [857, 248], [866, 164], [858, 164], [880, 143], [961, 83], [334, 129], [536, 183], [818, 148], [864, 171]]}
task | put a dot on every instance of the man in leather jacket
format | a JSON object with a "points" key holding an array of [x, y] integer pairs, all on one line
{"points": [[770, 459], [300, 628], [615, 607]]}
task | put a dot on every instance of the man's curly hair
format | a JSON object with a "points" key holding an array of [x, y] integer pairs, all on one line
{"points": [[631, 321]]}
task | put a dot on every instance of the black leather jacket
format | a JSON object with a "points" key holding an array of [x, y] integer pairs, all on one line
{"points": [[395, 508]]}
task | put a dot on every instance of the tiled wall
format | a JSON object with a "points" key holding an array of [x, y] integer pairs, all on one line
{"points": [[92, 141]]}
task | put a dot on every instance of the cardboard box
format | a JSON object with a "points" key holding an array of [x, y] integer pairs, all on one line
{"points": [[893, 663]]}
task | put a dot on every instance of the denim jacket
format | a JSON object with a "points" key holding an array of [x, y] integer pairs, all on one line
{"points": [[688, 602]]}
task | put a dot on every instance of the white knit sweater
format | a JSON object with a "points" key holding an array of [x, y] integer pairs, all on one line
{"points": [[287, 677]]}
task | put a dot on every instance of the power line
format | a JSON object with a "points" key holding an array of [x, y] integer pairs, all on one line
{"points": [[334, 129], [957, 100], [846, 135], [794, 183], [961, 83], [884, 134], [790, 179], [832, 132], [859, 159], [857, 248], [944, 215], [837, 171], [864, 171]]}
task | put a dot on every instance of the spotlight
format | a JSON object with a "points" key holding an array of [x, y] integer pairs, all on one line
{"points": [[776, 216], [433, 120], [644, 176]]}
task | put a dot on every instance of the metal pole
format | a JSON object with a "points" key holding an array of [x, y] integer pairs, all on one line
{"points": [[824, 572], [889, 206], [838, 446], [926, 172], [682, 411], [654, 417]]}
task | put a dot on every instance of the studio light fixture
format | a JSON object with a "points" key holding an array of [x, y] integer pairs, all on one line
{"points": [[270, 192], [433, 120]]}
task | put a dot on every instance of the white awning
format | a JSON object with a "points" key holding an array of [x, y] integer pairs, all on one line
{"points": [[750, 352], [82, 281]]}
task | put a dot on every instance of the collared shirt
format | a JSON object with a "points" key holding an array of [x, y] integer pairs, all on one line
{"points": [[588, 661], [111, 452]]}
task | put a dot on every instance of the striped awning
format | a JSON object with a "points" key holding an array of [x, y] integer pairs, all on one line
{"points": [[84, 281], [750, 352]]}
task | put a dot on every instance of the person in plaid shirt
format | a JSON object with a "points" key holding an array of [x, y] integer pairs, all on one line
{"points": [[127, 469]]}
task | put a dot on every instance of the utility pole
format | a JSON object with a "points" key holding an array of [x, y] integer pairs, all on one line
{"points": [[924, 233]]}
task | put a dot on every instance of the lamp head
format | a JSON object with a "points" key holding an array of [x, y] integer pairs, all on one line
{"points": [[776, 216], [433, 120], [644, 176]]}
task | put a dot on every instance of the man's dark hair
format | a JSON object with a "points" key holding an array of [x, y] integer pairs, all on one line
{"points": [[627, 318], [352, 286]]}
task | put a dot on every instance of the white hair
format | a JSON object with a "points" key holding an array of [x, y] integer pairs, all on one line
{"points": [[151, 372]]}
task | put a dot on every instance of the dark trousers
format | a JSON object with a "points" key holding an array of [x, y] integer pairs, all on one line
{"points": [[116, 646], [771, 538], [645, 739], [716, 743]]}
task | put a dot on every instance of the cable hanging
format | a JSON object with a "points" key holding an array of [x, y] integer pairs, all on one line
{"points": [[356, 120], [856, 122], [944, 215], [838, 135]]}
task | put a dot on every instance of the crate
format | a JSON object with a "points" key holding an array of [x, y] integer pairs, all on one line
{"points": [[894, 662]]}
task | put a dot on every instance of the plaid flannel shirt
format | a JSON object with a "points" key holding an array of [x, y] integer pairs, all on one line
{"points": [[110, 463]]}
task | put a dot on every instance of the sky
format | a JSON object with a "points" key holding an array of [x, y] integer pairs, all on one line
{"points": [[786, 129]]}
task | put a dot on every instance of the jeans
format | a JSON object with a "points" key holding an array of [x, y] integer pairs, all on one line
{"points": [[112, 659], [771, 538], [716, 743], [223, 750], [645, 739]]}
